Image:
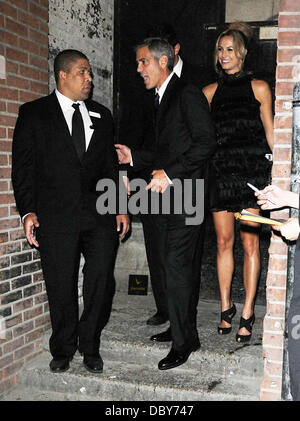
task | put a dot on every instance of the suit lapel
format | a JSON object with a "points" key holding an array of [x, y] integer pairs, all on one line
{"points": [[165, 103], [59, 125], [96, 123]]}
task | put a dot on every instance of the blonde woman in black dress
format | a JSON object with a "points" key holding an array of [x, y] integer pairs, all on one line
{"points": [[241, 108]]}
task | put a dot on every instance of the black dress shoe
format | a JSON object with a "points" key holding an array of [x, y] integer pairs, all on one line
{"points": [[157, 319], [162, 337], [196, 344], [59, 365], [175, 358], [94, 364]]}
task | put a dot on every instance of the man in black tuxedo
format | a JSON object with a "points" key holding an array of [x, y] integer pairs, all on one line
{"points": [[62, 147], [184, 141], [199, 77]]}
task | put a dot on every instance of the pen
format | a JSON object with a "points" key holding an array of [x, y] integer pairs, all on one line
{"points": [[258, 191]]}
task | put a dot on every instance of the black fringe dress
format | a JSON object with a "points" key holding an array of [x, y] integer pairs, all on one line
{"points": [[242, 144]]}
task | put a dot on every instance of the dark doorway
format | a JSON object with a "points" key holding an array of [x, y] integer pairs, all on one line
{"points": [[197, 24], [133, 18]]}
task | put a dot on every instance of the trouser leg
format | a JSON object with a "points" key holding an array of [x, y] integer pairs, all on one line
{"points": [[151, 236], [99, 248], [197, 260], [60, 257], [177, 248]]}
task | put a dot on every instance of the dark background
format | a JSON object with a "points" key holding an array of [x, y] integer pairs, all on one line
{"points": [[197, 24]]}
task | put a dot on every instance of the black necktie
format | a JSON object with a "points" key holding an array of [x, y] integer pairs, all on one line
{"points": [[78, 132], [156, 102]]}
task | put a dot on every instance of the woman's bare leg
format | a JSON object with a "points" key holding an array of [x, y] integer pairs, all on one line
{"points": [[224, 226], [249, 232]]}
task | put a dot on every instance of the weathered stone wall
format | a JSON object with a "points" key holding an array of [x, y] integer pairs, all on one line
{"points": [[251, 10], [86, 26]]}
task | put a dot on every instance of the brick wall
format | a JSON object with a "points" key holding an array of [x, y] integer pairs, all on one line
{"points": [[23, 301], [274, 322]]}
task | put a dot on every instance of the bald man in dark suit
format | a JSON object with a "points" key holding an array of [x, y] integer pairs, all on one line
{"points": [[62, 147]]}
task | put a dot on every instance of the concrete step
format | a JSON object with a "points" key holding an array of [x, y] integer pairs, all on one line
{"points": [[129, 382], [244, 360], [24, 393], [126, 339], [127, 336], [221, 370]]}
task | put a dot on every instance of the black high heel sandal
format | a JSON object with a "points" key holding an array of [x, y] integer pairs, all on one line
{"points": [[248, 324], [227, 316]]}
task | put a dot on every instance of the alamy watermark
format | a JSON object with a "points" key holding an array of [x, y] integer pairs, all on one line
{"points": [[295, 333], [187, 198]]}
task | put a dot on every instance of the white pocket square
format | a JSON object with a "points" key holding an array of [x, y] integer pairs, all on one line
{"points": [[93, 114]]}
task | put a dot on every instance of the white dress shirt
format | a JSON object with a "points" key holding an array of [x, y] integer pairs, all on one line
{"points": [[163, 87], [178, 67], [67, 109], [161, 92]]}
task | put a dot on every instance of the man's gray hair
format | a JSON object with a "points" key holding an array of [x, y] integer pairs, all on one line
{"points": [[158, 47]]}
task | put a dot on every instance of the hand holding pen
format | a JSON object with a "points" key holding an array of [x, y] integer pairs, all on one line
{"points": [[273, 197], [262, 197]]}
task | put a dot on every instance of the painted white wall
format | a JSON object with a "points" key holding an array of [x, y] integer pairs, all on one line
{"points": [[251, 10], [85, 25]]}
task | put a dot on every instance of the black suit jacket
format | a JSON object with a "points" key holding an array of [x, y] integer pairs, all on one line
{"points": [[184, 135], [136, 127], [136, 115], [48, 178]]}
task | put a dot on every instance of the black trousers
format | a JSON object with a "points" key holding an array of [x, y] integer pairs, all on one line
{"points": [[60, 259], [176, 246], [151, 236]]}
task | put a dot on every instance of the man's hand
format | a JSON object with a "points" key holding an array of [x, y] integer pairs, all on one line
{"points": [[31, 222], [289, 229], [124, 154], [159, 182], [125, 221]]}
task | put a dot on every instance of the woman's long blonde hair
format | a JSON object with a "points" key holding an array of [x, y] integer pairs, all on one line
{"points": [[241, 34]]}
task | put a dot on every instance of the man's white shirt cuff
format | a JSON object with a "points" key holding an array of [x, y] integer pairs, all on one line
{"points": [[23, 217]]}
